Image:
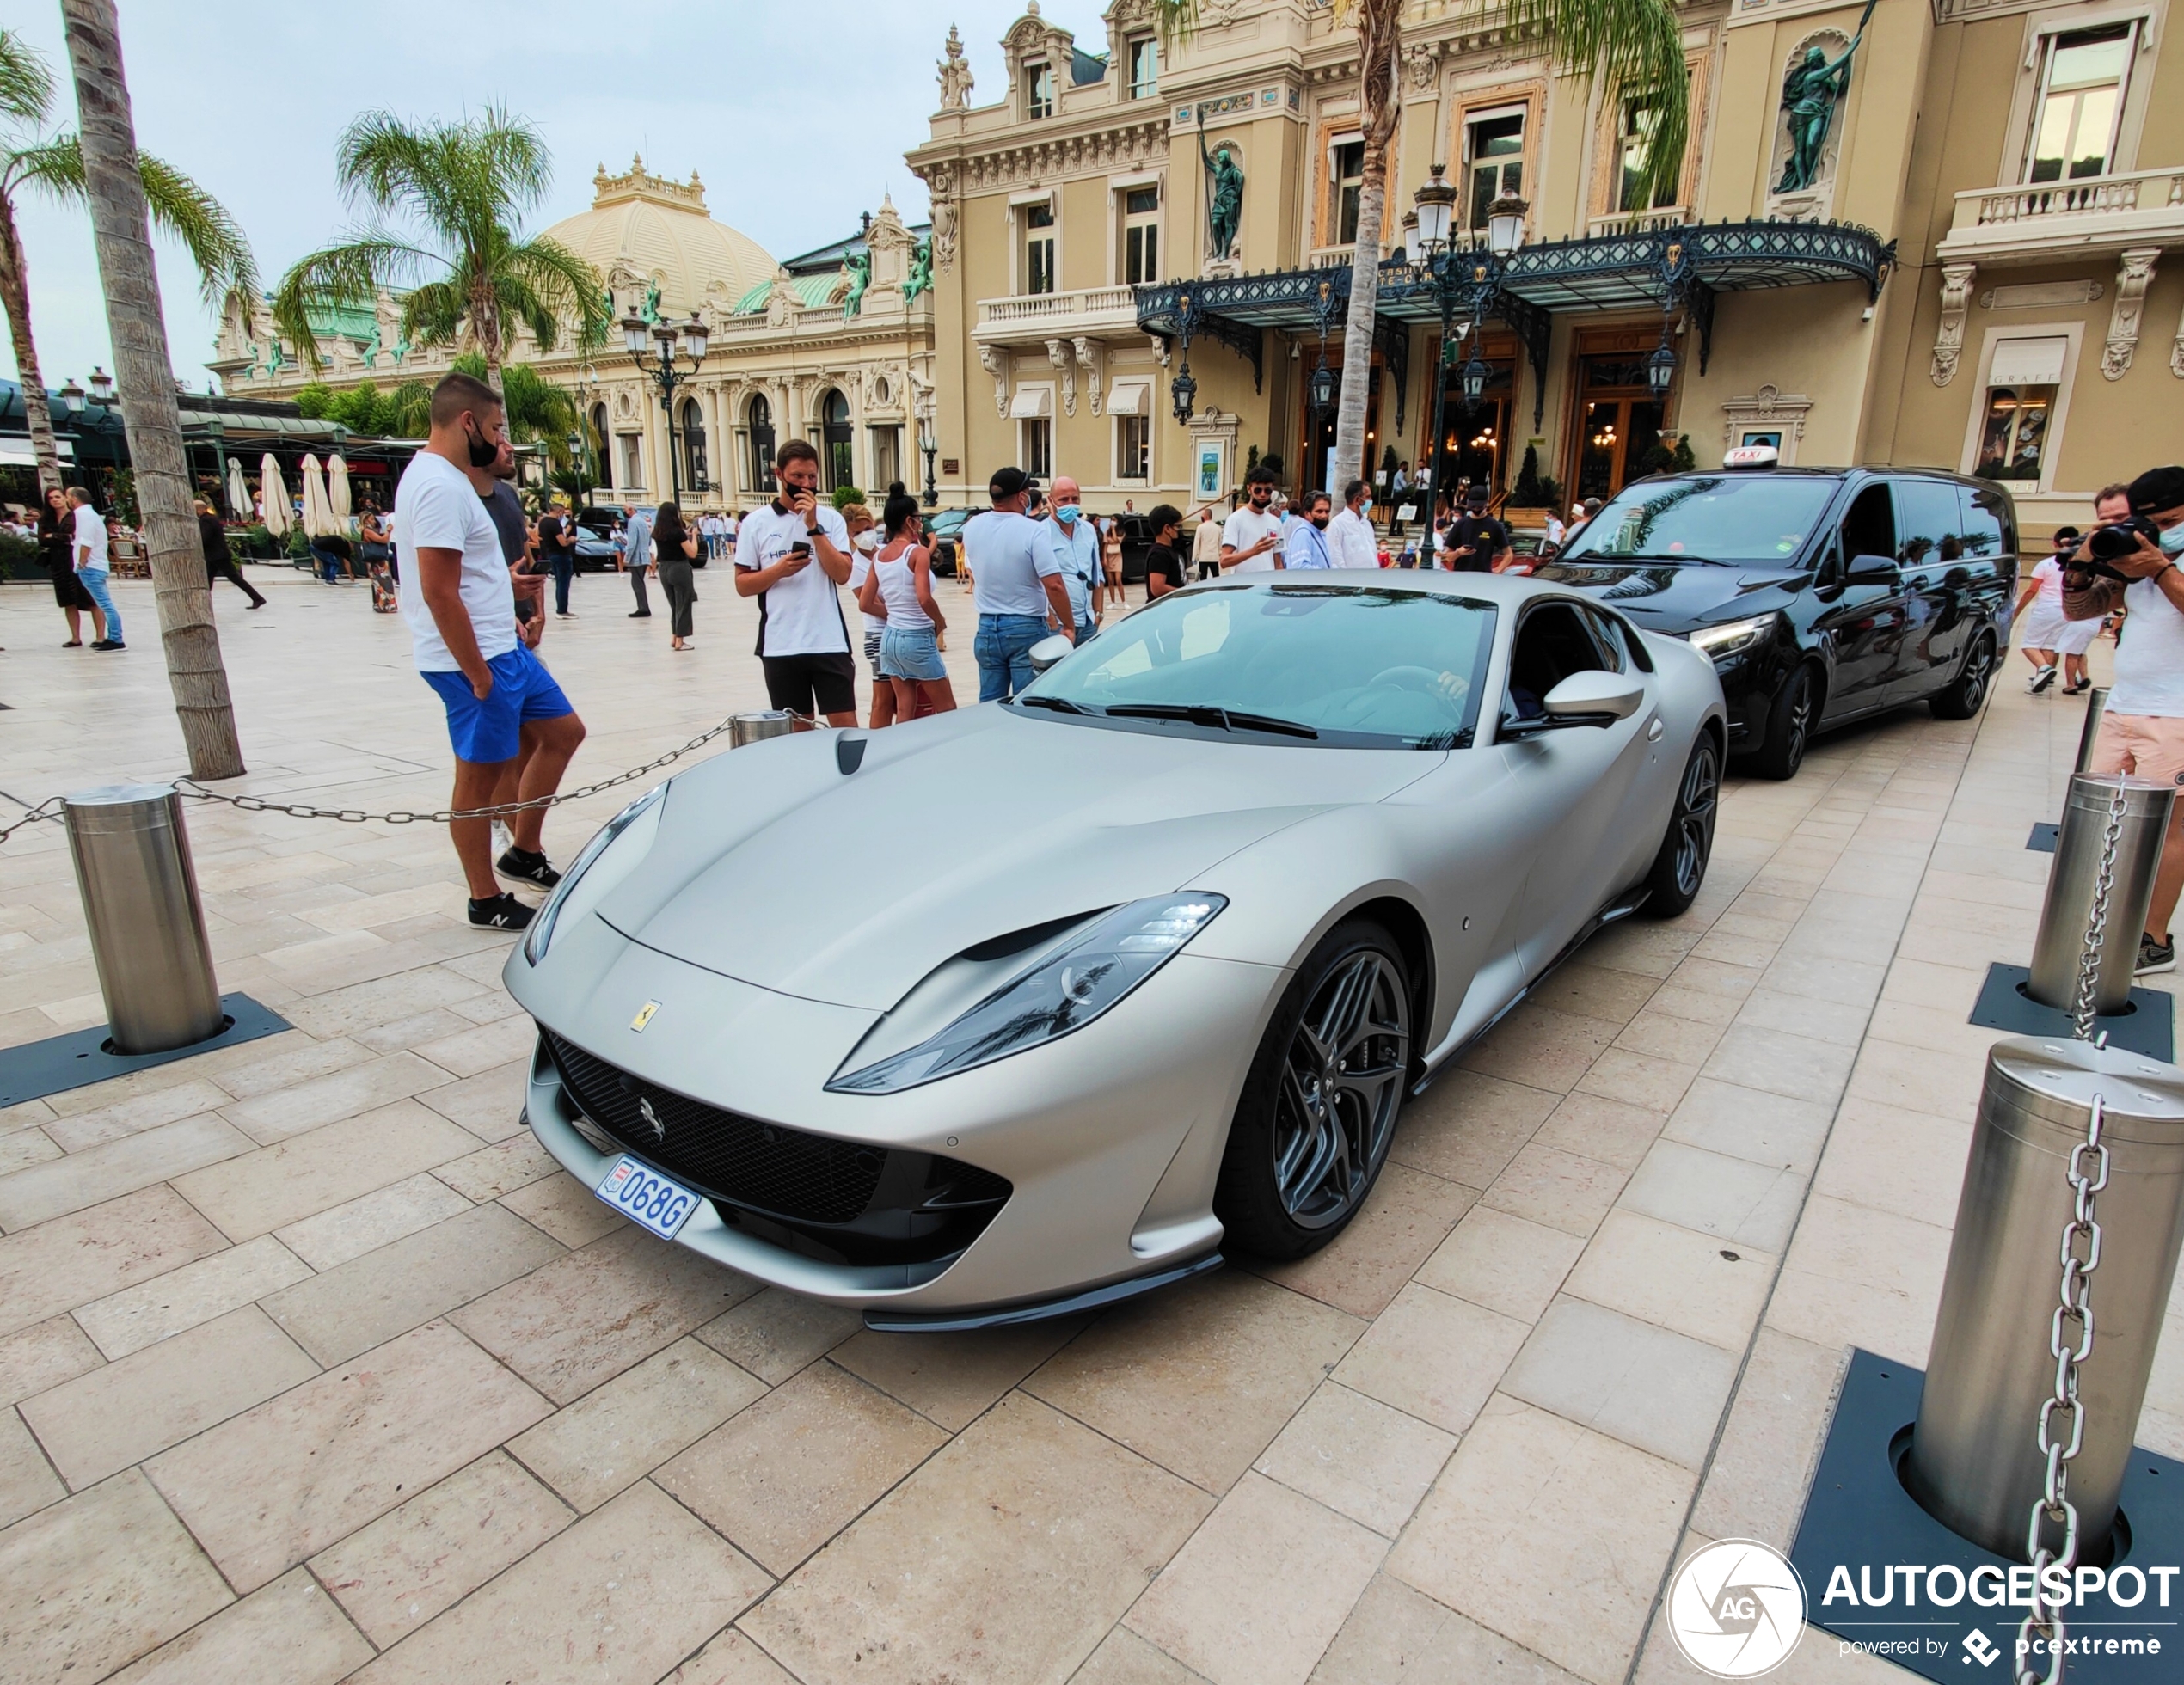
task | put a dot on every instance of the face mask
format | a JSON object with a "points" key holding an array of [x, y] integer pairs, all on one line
{"points": [[2173, 541], [1367, 505], [866, 542], [1319, 521], [1066, 513], [484, 452]]}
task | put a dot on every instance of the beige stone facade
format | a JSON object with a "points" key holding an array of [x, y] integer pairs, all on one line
{"points": [[2008, 337], [787, 358]]}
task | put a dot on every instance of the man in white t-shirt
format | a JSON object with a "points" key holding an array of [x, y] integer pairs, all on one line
{"points": [[503, 708], [791, 554], [1350, 536], [1017, 582], [1251, 537], [87, 547]]}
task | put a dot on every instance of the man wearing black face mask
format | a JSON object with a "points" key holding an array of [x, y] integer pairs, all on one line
{"points": [[500, 699]]}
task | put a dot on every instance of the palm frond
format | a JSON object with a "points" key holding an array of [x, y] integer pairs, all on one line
{"points": [[53, 167], [350, 274], [435, 314], [25, 83], [217, 243], [564, 285], [1636, 47]]}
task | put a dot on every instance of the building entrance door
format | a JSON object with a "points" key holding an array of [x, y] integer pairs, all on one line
{"points": [[1310, 475], [1617, 420]]}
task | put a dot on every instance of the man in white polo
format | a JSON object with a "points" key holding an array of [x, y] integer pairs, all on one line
{"points": [[1251, 538], [794, 552]]}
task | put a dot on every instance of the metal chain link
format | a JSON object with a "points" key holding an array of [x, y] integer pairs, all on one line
{"points": [[2075, 1303], [48, 809], [2097, 927]]}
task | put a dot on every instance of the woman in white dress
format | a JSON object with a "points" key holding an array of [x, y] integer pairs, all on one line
{"points": [[2050, 633]]}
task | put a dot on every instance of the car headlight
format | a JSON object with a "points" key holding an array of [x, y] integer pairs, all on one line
{"points": [[606, 859], [1060, 993], [1732, 639]]}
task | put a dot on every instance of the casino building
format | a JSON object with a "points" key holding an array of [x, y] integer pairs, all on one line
{"points": [[1941, 232]]}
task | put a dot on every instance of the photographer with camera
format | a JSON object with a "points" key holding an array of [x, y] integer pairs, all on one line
{"points": [[2131, 564]]}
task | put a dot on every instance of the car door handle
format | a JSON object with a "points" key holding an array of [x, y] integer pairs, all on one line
{"points": [[1653, 731]]}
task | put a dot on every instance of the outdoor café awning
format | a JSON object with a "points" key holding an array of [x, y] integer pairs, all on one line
{"points": [[1032, 401], [1130, 397], [17, 453]]}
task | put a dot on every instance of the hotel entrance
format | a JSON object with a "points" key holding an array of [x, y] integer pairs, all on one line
{"points": [[1474, 445], [1618, 420]]}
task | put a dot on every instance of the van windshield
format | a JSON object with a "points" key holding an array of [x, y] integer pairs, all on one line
{"points": [[1719, 518]]}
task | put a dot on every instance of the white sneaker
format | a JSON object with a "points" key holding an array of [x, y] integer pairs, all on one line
{"points": [[2040, 680], [503, 839]]}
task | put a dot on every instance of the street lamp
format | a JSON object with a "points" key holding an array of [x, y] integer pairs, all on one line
{"points": [[1475, 274], [1660, 367], [929, 447], [101, 386], [1181, 392], [674, 341], [72, 395]]}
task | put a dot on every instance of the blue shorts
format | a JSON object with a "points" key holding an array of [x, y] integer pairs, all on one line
{"points": [[485, 731], [911, 654]]}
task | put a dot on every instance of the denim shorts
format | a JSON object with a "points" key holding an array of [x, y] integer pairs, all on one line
{"points": [[912, 653], [484, 733]]}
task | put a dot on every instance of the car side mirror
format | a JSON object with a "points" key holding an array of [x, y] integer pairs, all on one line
{"points": [[1048, 651], [1594, 698], [1873, 570]]}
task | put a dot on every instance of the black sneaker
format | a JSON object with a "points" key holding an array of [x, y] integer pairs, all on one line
{"points": [[2155, 956], [500, 912], [525, 867], [109, 643]]}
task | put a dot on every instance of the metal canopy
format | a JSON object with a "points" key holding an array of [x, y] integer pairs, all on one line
{"points": [[1664, 267]]}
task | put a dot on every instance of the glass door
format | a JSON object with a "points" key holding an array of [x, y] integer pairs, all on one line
{"points": [[1618, 426]]}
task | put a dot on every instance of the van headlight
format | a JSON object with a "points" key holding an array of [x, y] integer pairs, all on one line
{"points": [[1060, 993], [606, 859], [1732, 639]]}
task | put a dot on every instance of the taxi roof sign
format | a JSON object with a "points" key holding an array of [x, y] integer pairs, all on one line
{"points": [[1752, 455]]}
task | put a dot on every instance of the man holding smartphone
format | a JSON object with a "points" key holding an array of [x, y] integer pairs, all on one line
{"points": [[791, 554], [1251, 538]]}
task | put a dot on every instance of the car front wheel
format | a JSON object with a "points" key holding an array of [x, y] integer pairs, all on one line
{"points": [[1679, 869], [1790, 726], [1319, 1106], [1967, 692]]}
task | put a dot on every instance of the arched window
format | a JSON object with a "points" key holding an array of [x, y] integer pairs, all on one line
{"points": [[596, 446], [834, 418], [762, 445], [693, 426]]}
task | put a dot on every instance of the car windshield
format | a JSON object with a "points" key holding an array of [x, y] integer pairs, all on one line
{"points": [[1723, 517], [1339, 667]]}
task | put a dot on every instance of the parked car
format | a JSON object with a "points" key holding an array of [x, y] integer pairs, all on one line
{"points": [[1821, 595], [944, 532], [595, 551], [1013, 1093]]}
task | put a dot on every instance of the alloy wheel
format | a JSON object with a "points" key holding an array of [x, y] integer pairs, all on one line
{"points": [[1800, 719], [1696, 805], [1977, 672], [1341, 1086]]}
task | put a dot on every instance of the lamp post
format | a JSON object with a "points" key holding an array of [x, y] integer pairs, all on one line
{"points": [[1475, 275], [102, 387], [929, 446], [674, 341]]}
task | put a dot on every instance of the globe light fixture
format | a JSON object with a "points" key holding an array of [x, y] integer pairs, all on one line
{"points": [[1505, 225], [1436, 211]]}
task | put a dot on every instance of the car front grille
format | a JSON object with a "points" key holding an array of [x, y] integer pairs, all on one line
{"points": [[861, 1204]]}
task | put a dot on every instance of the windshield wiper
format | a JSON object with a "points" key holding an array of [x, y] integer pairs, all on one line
{"points": [[1060, 704], [1226, 719]]}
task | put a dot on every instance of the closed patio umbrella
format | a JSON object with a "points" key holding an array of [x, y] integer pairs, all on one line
{"points": [[317, 520], [337, 490], [274, 490], [238, 491]]}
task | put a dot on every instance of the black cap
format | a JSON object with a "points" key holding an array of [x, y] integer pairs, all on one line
{"points": [[2067, 536], [1477, 498], [2158, 488], [1006, 483]]}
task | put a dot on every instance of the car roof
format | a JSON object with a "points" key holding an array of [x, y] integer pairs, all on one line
{"points": [[1873, 471], [1501, 589]]}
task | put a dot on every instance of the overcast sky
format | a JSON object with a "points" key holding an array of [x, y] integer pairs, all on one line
{"points": [[797, 116]]}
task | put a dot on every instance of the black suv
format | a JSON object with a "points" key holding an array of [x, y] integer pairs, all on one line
{"points": [[1822, 595]]}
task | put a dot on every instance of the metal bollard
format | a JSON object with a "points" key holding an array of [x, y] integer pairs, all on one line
{"points": [[747, 728], [132, 864], [1974, 1463], [2096, 704], [2073, 880]]}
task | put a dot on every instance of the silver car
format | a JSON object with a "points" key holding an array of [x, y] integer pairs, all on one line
{"points": [[1026, 1007]]}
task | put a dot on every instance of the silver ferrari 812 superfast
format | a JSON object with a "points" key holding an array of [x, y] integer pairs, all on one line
{"points": [[1023, 1009]]}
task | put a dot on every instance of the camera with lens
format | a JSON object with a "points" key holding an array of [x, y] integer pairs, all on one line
{"points": [[2106, 545]]}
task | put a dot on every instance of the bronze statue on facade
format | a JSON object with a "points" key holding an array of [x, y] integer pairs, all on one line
{"points": [[1224, 193], [1810, 92]]}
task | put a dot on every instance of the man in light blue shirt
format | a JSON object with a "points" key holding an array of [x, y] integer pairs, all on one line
{"points": [[636, 555], [1076, 543], [1017, 582], [1307, 546]]}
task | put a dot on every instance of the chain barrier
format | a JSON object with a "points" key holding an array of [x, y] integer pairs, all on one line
{"points": [[2096, 926], [50, 809]]}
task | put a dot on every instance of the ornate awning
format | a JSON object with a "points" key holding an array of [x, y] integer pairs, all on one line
{"points": [[1665, 267]]}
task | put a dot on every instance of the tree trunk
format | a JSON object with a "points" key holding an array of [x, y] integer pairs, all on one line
{"points": [[1379, 26], [14, 297], [144, 375]]}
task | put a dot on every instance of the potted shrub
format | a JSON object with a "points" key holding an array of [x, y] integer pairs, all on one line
{"points": [[1528, 500]]}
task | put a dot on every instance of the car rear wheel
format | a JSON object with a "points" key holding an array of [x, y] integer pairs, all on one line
{"points": [[1319, 1106], [1790, 726], [1968, 693], [1679, 869]]}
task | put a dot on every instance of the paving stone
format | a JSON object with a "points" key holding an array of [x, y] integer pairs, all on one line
{"points": [[292, 1111], [500, 1168], [1124, 1658], [1467, 1126], [143, 1316], [1358, 1457], [1433, 1356], [309, 1174], [135, 1115], [290, 1630], [1408, 1214], [1676, 1277], [371, 1220], [88, 1255], [100, 1174], [730, 1659], [565, 1209], [27, 1479], [1503, 1263], [43, 1356], [1659, 1391], [776, 1333], [1398, 1636], [949, 1379]]}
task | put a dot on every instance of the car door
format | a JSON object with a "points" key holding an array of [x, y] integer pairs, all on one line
{"points": [[1859, 627], [1990, 533], [1569, 784], [1937, 598]]}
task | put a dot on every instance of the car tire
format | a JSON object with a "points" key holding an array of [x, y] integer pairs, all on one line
{"points": [[1968, 692], [1790, 726], [1320, 1101], [1679, 869]]}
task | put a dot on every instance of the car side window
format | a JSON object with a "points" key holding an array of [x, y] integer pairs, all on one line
{"points": [[1869, 527], [1927, 517], [1986, 523], [1552, 642], [1622, 636], [1614, 656]]}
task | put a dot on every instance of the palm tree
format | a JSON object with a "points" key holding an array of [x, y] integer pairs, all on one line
{"points": [[1634, 46], [52, 165], [114, 182], [471, 276]]}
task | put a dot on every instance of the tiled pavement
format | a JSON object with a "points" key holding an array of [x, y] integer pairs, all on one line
{"points": [[312, 1365]]}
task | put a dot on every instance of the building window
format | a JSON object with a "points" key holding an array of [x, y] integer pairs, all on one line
{"points": [[886, 457], [1635, 145], [1144, 67], [1039, 447], [1141, 235], [1494, 157], [2014, 439], [1038, 248], [1039, 90], [2080, 98], [633, 462], [693, 426], [834, 440], [1133, 447], [761, 445], [1347, 175]]}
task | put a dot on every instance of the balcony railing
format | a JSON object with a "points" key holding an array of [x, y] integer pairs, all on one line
{"points": [[2098, 210], [1031, 308], [1620, 222]]}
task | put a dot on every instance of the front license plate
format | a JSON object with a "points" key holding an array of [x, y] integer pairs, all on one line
{"points": [[644, 1195]]}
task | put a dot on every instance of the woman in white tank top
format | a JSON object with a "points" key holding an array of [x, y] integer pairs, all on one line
{"points": [[899, 590]]}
